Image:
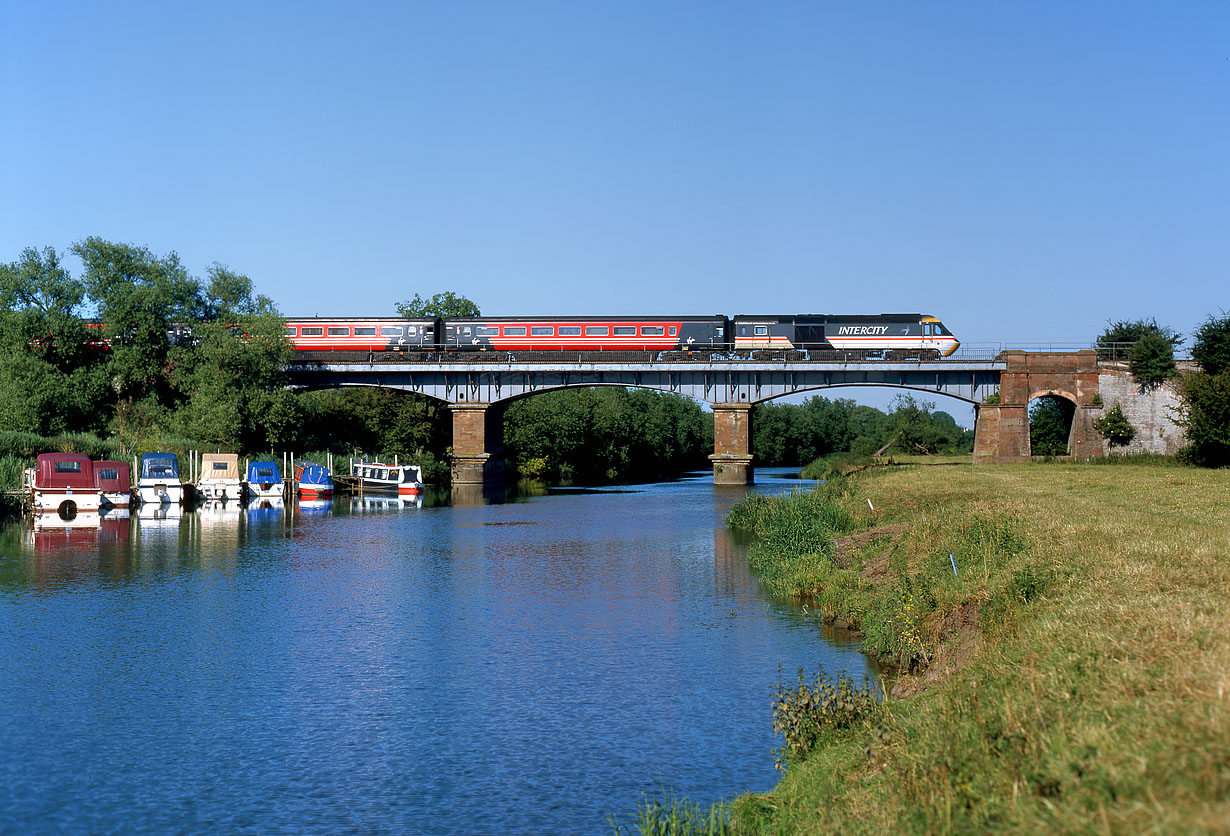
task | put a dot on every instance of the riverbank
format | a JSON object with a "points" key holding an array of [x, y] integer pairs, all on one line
{"points": [[1072, 674]]}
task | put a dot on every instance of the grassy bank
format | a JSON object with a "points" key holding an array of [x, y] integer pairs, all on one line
{"points": [[1073, 677]]}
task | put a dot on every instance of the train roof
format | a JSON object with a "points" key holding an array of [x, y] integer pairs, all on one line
{"points": [[882, 317], [598, 318]]}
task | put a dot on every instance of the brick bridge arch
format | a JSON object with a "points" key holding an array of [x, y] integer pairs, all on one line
{"points": [[1001, 432]]}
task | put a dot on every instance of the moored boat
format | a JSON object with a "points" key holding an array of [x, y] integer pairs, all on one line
{"points": [[220, 479], [63, 482], [405, 480], [114, 481], [159, 482], [314, 480], [264, 480]]}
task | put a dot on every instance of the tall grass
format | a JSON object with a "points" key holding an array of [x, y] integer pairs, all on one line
{"points": [[794, 533], [673, 816]]}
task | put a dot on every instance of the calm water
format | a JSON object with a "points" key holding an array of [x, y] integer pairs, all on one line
{"points": [[528, 667]]}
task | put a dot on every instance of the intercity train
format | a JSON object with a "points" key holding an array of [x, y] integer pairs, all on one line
{"points": [[889, 336]]}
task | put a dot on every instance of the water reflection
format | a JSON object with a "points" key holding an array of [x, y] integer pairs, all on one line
{"points": [[402, 662]]}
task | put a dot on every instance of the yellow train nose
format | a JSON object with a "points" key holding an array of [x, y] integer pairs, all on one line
{"points": [[955, 346]]}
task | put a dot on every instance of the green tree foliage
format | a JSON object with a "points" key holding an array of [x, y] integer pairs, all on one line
{"points": [[1116, 341], [1151, 361], [442, 304], [378, 422], [789, 435], [140, 297], [1115, 427], [1212, 347], [607, 434], [1050, 424], [1204, 413]]}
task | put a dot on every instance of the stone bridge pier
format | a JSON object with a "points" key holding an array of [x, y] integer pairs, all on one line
{"points": [[478, 443], [732, 444]]}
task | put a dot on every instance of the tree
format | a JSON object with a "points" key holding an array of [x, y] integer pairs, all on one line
{"points": [[1117, 340], [442, 304], [1204, 413], [140, 297], [1115, 427], [1050, 422], [1151, 361], [1212, 347]]}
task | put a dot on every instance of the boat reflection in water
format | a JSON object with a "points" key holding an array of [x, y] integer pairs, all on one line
{"points": [[376, 504], [86, 528], [159, 522], [316, 507]]}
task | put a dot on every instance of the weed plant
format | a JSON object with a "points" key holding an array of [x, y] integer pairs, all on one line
{"points": [[810, 714], [676, 817]]}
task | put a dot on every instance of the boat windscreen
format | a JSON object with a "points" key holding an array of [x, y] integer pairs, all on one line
{"points": [[160, 466]]}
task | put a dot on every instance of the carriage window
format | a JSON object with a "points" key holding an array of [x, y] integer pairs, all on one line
{"points": [[108, 473], [542, 331], [311, 332], [927, 330], [390, 331], [412, 331], [652, 330], [339, 332], [486, 331], [291, 330], [596, 330], [674, 331], [514, 330], [365, 332], [625, 331], [762, 330], [570, 330]]}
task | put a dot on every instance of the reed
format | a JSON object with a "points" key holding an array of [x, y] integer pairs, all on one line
{"points": [[672, 816]]}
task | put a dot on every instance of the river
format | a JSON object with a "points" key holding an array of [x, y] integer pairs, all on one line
{"points": [[533, 666]]}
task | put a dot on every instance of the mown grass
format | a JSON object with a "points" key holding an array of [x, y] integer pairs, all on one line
{"points": [[1090, 692]]}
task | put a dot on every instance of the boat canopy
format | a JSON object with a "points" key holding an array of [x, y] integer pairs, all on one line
{"points": [[159, 466], [64, 470], [315, 474], [113, 477], [264, 473], [219, 466]]}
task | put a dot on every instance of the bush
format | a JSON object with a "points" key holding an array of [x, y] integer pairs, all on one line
{"points": [[1151, 361], [1115, 427], [1212, 348], [1205, 416], [807, 714]]}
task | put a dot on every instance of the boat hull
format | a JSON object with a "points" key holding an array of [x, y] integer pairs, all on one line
{"points": [[220, 490], [66, 501], [161, 492]]}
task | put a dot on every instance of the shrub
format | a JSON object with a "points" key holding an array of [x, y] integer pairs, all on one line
{"points": [[806, 713], [1115, 427]]}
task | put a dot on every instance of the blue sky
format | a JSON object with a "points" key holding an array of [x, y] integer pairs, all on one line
{"points": [[1024, 171]]}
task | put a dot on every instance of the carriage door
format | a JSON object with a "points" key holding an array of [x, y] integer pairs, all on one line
{"points": [[929, 333]]}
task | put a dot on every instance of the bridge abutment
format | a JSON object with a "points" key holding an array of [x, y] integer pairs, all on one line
{"points": [[1001, 431], [478, 444], [732, 444]]}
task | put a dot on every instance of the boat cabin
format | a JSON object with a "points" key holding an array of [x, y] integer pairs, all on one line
{"points": [[114, 480]]}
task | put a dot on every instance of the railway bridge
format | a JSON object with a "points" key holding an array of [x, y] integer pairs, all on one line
{"points": [[478, 386]]}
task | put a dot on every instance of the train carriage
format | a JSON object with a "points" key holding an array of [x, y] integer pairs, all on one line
{"points": [[519, 333], [363, 333], [870, 335]]}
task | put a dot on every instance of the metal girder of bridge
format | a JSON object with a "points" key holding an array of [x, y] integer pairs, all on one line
{"points": [[716, 383]]}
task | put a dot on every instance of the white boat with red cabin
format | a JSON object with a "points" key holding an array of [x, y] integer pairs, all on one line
{"points": [[63, 482], [404, 480]]}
